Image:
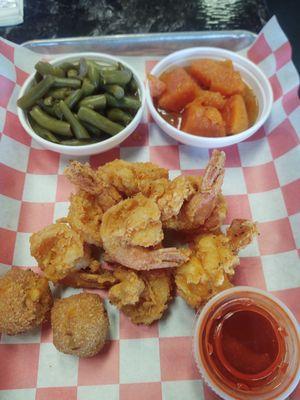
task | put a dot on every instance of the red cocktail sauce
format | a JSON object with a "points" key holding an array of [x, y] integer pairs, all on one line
{"points": [[243, 347]]}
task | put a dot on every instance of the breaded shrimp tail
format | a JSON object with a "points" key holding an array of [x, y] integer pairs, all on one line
{"points": [[129, 232], [84, 177], [199, 207]]}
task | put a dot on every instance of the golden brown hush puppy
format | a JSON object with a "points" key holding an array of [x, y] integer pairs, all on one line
{"points": [[25, 301], [80, 324]]}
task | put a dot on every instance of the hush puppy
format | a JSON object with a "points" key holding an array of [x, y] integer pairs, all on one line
{"points": [[80, 324], [25, 301]]}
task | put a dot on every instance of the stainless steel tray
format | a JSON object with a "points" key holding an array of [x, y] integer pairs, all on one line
{"points": [[151, 44]]}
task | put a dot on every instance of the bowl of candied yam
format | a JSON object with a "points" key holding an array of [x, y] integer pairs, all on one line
{"points": [[208, 97]]}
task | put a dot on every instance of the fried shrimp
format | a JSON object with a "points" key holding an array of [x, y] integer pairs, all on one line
{"points": [[241, 233], [130, 231], [128, 291], [58, 250], [169, 195], [128, 178], [85, 216], [217, 216], [143, 297], [118, 178], [199, 207], [88, 180], [186, 203], [206, 271], [80, 324], [84, 177], [25, 301], [213, 262]]}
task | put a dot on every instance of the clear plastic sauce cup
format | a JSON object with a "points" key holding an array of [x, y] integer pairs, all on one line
{"points": [[247, 345]]}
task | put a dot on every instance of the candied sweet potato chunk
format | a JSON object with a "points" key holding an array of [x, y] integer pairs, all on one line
{"points": [[212, 99], [251, 104], [218, 76], [202, 120], [181, 90], [157, 86], [235, 115]]}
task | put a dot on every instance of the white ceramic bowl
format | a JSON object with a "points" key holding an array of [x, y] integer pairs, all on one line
{"points": [[94, 148], [250, 73]]}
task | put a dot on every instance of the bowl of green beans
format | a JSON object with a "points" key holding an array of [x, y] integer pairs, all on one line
{"points": [[81, 104]]}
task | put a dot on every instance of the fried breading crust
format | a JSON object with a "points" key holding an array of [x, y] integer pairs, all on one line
{"points": [[213, 261], [147, 297], [128, 291], [85, 216], [131, 231], [196, 285], [25, 301], [80, 324], [58, 250], [81, 279]]}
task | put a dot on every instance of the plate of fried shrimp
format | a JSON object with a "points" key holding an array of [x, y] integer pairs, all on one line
{"points": [[115, 237]]}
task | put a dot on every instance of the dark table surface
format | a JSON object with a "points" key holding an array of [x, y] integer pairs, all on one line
{"points": [[64, 18]]}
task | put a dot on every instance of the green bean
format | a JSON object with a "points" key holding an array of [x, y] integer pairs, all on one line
{"points": [[43, 132], [72, 73], [116, 90], [132, 86], [77, 142], [104, 67], [38, 77], [108, 68], [83, 68], [126, 102], [67, 82], [48, 109], [99, 121], [66, 65], [54, 125], [79, 131], [94, 102], [87, 87], [130, 102], [73, 98], [60, 93], [35, 93], [93, 74], [117, 115], [111, 101], [44, 68], [92, 129], [48, 101], [116, 77], [57, 111]]}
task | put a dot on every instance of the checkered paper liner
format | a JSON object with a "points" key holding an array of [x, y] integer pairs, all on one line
{"points": [[262, 183]]}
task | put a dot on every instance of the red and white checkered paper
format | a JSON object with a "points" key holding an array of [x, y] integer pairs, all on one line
{"points": [[262, 182]]}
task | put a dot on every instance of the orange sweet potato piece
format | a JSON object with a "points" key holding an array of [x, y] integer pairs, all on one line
{"points": [[218, 76], [235, 115], [181, 90], [157, 87], [251, 104], [202, 120], [212, 99]]}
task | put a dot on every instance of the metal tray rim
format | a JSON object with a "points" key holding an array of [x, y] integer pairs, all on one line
{"points": [[142, 36]]}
